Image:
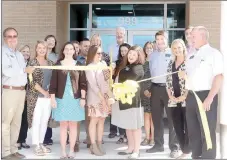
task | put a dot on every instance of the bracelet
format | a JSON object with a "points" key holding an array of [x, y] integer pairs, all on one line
{"points": [[83, 98]]}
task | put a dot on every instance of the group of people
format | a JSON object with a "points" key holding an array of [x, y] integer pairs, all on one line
{"points": [[71, 96]]}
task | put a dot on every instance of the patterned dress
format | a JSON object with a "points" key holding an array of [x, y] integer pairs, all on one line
{"points": [[68, 108], [146, 102]]}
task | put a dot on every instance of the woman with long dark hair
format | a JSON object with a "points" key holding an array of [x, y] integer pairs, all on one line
{"points": [[131, 115], [123, 50], [67, 90]]}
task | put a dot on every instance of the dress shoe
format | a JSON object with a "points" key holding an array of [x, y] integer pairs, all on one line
{"points": [[155, 149], [24, 145], [18, 155], [112, 135]]}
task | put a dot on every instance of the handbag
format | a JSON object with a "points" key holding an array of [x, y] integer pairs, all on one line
{"points": [[52, 123]]}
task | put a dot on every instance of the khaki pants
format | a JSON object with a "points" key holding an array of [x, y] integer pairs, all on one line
{"points": [[12, 108]]}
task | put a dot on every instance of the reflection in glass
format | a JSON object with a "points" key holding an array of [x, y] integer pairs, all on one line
{"points": [[174, 35], [142, 39], [79, 15], [176, 15], [78, 35], [132, 16], [107, 41]]}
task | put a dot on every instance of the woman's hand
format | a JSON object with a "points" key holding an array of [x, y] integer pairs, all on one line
{"points": [[147, 93], [53, 103], [46, 94], [181, 99], [82, 102], [172, 98]]}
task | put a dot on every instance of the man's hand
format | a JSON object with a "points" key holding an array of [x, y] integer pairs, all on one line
{"points": [[207, 103], [29, 70]]}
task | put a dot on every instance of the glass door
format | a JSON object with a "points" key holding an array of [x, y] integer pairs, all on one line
{"points": [[108, 39], [140, 37]]}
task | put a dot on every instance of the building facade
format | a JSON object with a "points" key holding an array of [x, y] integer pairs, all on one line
{"points": [[74, 20]]}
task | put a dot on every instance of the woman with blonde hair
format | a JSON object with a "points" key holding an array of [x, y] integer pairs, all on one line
{"points": [[177, 93], [96, 40], [38, 98]]}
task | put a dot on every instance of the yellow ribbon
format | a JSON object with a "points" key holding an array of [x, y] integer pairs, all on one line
{"points": [[82, 68], [204, 121], [126, 91]]}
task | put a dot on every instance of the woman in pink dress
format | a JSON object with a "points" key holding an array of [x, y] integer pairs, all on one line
{"points": [[98, 96]]}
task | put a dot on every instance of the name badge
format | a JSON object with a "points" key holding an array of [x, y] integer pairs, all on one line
{"points": [[192, 57], [168, 55]]}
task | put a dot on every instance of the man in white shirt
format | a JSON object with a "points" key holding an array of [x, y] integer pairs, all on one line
{"points": [[14, 79], [205, 75]]}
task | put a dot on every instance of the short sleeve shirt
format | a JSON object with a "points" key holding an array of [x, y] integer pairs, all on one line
{"points": [[202, 67]]}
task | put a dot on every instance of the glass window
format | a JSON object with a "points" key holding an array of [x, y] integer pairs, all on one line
{"points": [[142, 39], [78, 35], [176, 15], [79, 15], [107, 41], [130, 16], [174, 35]]}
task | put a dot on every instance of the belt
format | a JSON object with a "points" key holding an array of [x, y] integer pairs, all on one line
{"points": [[159, 84], [14, 88]]}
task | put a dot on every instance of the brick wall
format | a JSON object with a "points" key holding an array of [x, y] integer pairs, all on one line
{"points": [[207, 13], [33, 19], [62, 24]]}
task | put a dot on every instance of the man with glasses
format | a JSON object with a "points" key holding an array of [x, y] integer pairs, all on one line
{"points": [[14, 79]]}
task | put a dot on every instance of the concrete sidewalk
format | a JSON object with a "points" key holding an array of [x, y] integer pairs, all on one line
{"points": [[110, 145]]}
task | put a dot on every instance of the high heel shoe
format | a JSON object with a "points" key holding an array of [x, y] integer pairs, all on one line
{"points": [[100, 147], [95, 150]]}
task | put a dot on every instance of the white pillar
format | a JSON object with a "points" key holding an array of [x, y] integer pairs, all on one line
{"points": [[223, 100]]}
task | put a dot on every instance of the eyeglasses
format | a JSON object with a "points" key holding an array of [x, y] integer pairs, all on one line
{"points": [[11, 36]]}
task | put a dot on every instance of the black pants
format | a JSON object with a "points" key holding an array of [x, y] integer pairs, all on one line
{"points": [[180, 126], [159, 101], [48, 135], [24, 126], [113, 129], [195, 129]]}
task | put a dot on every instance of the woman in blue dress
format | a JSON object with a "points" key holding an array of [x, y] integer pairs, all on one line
{"points": [[67, 89]]}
